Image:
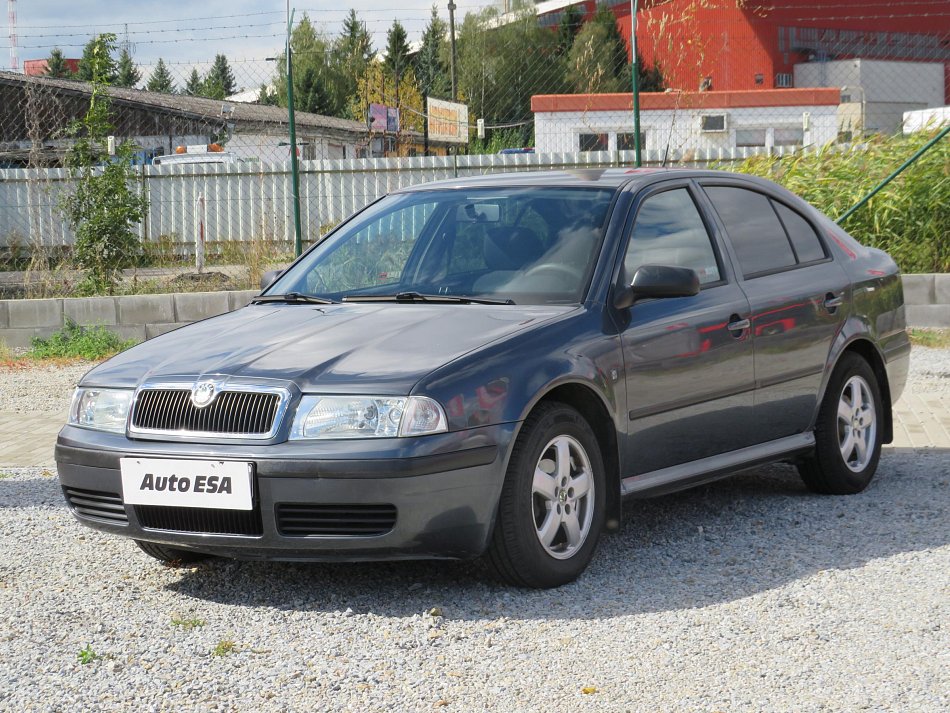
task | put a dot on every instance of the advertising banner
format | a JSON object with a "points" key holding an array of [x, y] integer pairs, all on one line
{"points": [[448, 121]]}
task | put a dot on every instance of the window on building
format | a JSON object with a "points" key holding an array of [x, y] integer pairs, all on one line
{"points": [[754, 229], [592, 142], [759, 79], [670, 231], [804, 239], [788, 136], [750, 137], [625, 141]]}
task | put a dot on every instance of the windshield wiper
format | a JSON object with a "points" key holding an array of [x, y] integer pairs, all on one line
{"points": [[293, 298], [411, 296]]}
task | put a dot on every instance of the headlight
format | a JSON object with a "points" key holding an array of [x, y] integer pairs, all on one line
{"points": [[366, 417], [102, 409]]}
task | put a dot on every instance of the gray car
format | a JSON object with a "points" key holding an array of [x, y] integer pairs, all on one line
{"points": [[487, 367]]}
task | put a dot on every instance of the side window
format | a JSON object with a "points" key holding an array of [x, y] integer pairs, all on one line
{"points": [[756, 233], [804, 239], [670, 231]]}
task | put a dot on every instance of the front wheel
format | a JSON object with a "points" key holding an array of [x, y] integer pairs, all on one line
{"points": [[552, 504], [848, 431]]}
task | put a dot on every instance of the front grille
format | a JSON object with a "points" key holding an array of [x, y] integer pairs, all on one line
{"points": [[242, 413], [305, 520], [207, 521], [97, 505]]}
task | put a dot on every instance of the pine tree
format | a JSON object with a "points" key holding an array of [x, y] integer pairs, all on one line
{"points": [[313, 80], [431, 73], [194, 86], [597, 62], [220, 81], [397, 49], [572, 19], [56, 65], [161, 79], [97, 63], [127, 74], [350, 58]]}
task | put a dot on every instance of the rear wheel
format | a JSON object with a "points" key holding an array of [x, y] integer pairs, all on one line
{"points": [[848, 431], [169, 555], [552, 504]]}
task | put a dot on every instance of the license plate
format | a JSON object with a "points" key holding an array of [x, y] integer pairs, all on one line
{"points": [[224, 485]]}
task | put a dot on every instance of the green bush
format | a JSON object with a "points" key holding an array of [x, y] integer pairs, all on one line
{"points": [[909, 218], [75, 342]]}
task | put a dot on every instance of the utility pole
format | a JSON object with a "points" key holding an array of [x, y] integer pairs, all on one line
{"points": [[452, 7], [294, 167], [636, 82]]}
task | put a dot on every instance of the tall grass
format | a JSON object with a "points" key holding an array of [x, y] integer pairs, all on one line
{"points": [[909, 218]]}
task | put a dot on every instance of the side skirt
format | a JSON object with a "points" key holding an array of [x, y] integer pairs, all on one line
{"points": [[687, 475]]}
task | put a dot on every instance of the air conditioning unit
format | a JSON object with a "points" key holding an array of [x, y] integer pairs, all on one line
{"points": [[784, 80], [713, 123]]}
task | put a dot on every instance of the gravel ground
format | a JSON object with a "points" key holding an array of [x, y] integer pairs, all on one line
{"points": [[746, 595]]}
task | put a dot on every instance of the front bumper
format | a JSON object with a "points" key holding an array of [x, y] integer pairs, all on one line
{"points": [[444, 489]]}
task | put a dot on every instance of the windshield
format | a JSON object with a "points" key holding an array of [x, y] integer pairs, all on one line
{"points": [[525, 245]]}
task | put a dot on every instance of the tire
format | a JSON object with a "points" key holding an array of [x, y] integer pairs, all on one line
{"points": [[564, 504], [847, 436], [169, 555]]}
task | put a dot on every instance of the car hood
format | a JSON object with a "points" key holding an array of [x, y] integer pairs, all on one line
{"points": [[365, 348]]}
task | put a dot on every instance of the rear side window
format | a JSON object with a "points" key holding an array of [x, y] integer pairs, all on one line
{"points": [[804, 239], [756, 233], [670, 231]]}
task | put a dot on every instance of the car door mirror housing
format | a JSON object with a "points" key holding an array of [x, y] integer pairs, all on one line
{"points": [[269, 278], [658, 281]]}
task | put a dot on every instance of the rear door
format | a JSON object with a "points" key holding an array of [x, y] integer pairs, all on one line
{"points": [[688, 377], [799, 298]]}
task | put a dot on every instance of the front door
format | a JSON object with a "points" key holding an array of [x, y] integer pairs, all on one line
{"points": [[689, 377]]}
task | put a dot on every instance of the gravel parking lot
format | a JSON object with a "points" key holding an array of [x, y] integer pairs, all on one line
{"points": [[746, 595]]}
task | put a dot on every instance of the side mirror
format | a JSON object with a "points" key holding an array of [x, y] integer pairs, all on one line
{"points": [[658, 281], [269, 278]]}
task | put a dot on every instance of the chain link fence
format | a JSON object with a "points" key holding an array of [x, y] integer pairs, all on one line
{"points": [[519, 86]]}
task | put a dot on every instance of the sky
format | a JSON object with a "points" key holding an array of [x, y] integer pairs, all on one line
{"points": [[190, 34]]}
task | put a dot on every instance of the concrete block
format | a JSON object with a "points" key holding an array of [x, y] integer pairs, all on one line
{"points": [[129, 331], [154, 330], [190, 307], [933, 316], [4, 314], [941, 290], [35, 313], [91, 311], [146, 309], [918, 289], [240, 298], [22, 337]]}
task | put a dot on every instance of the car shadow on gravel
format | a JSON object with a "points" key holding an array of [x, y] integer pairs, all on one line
{"points": [[722, 542]]}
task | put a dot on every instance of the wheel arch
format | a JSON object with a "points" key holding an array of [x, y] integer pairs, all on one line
{"points": [[867, 350], [596, 412]]}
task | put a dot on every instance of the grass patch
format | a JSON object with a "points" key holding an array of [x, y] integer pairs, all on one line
{"points": [[934, 338], [76, 342], [5, 475], [87, 655], [224, 647], [187, 623]]}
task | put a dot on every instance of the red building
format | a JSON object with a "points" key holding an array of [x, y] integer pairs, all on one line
{"points": [[731, 45], [37, 67]]}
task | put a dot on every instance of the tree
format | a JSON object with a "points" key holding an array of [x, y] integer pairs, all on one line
{"points": [[219, 83], [572, 19], [313, 80], [97, 60], [350, 57], [161, 79], [194, 86], [127, 74], [501, 66], [103, 205], [378, 86], [650, 78], [397, 49], [430, 70], [56, 65], [597, 61]]}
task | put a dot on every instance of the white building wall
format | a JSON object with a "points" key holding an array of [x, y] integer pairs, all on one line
{"points": [[682, 129], [926, 119]]}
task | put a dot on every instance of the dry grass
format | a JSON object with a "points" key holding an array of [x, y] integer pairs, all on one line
{"points": [[934, 338]]}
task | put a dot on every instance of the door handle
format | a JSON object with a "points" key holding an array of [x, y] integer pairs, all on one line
{"points": [[738, 325], [833, 301]]}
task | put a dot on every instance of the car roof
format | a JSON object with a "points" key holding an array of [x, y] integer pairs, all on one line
{"points": [[614, 178]]}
